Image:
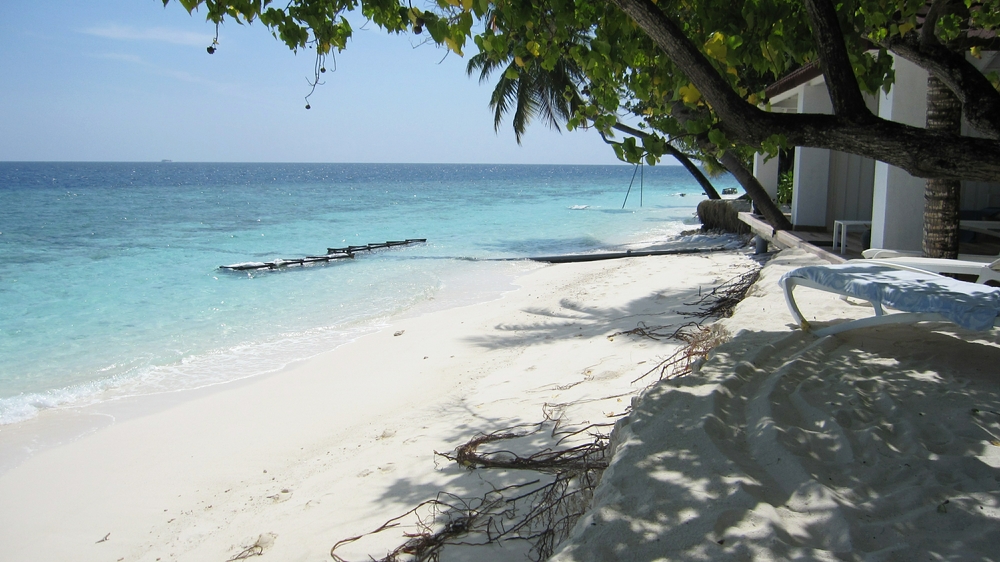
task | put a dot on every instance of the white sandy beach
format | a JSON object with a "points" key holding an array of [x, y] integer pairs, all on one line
{"points": [[336, 445], [877, 445]]}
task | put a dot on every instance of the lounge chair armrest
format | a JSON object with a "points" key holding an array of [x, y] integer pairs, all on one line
{"points": [[895, 265]]}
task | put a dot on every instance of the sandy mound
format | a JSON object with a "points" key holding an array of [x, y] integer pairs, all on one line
{"points": [[878, 444]]}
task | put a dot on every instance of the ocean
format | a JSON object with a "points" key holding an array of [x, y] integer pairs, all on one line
{"points": [[110, 283]]}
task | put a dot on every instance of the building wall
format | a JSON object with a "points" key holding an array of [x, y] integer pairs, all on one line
{"points": [[828, 185], [831, 185], [898, 199], [812, 165], [852, 184], [766, 171]]}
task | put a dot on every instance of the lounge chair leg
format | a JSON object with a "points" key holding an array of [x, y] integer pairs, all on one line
{"points": [[789, 285]]}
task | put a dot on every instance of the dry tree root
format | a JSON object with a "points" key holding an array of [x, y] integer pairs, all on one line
{"points": [[587, 456], [426, 542], [541, 512], [247, 553], [718, 303], [700, 340], [652, 332], [722, 300]]}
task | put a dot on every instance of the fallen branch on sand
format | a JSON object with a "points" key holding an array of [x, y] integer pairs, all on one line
{"points": [[700, 340], [722, 300], [718, 303], [587, 456], [652, 332], [540, 512]]}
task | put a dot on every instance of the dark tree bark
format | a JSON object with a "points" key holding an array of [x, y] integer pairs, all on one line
{"points": [[758, 195], [836, 64], [772, 214], [921, 152], [695, 172], [690, 166], [941, 196]]}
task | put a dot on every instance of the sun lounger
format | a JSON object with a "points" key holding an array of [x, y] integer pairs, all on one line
{"points": [[881, 253], [984, 272], [918, 295]]}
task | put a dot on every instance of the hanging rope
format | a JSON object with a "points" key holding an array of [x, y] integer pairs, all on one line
{"points": [[630, 186], [642, 176]]}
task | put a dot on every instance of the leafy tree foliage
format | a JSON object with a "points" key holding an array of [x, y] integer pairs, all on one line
{"points": [[527, 90], [695, 71]]}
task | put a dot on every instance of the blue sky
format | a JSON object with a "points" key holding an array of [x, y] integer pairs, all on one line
{"points": [[130, 80]]}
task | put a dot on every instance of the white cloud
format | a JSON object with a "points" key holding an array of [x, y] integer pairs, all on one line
{"points": [[160, 34]]}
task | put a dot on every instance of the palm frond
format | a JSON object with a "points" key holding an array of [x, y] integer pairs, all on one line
{"points": [[504, 94], [485, 65], [552, 95], [527, 105]]}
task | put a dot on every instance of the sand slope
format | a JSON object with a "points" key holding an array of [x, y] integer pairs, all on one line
{"points": [[881, 444]]}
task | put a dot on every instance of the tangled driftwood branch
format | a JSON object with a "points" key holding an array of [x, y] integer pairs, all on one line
{"points": [[263, 543], [646, 331], [718, 303], [722, 300], [588, 456], [541, 511], [700, 340]]}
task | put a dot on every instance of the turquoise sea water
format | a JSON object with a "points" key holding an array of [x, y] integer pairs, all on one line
{"points": [[109, 279]]}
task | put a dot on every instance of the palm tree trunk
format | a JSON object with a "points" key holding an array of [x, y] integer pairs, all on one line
{"points": [[690, 166], [761, 200], [941, 196], [695, 172], [758, 195]]}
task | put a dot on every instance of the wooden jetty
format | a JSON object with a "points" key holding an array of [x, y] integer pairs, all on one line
{"points": [[331, 255]]}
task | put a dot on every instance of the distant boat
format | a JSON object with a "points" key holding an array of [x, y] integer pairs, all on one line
{"points": [[729, 191], [165, 160]]}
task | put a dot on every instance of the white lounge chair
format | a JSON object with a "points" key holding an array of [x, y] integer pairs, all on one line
{"points": [[918, 295], [984, 271], [882, 253]]}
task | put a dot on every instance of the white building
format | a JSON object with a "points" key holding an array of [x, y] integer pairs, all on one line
{"points": [[831, 185]]}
